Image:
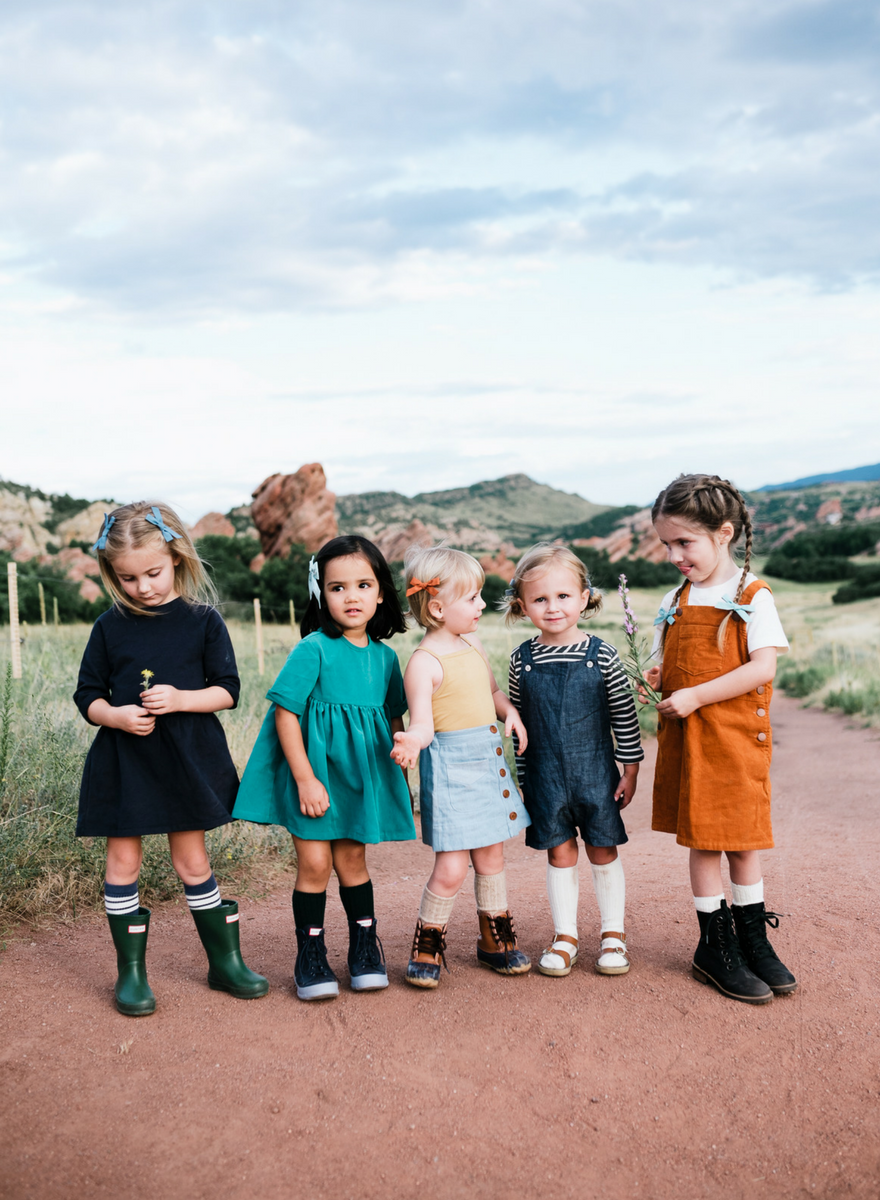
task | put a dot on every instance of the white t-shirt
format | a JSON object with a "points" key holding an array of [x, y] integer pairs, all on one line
{"points": [[764, 629]]}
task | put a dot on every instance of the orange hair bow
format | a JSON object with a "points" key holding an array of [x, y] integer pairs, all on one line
{"points": [[431, 586]]}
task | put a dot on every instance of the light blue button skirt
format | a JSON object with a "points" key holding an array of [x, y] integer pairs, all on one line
{"points": [[463, 776]]}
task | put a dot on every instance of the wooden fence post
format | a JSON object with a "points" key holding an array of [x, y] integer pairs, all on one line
{"points": [[292, 617], [55, 611], [42, 595], [14, 633], [259, 624]]}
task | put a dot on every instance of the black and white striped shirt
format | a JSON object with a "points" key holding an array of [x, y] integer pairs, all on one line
{"points": [[621, 705]]}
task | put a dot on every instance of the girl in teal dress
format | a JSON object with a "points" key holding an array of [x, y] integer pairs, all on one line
{"points": [[321, 765]]}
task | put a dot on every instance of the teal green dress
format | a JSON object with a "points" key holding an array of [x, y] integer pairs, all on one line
{"points": [[345, 697]]}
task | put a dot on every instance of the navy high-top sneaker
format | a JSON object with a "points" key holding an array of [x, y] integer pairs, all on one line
{"points": [[312, 974], [366, 958]]}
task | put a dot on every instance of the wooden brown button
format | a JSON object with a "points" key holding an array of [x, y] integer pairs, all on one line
{"points": [[503, 772], [493, 728], [761, 712], [512, 816], [762, 737], [760, 689], [505, 793], [498, 750]]}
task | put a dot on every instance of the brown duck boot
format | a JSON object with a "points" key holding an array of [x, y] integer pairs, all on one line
{"points": [[428, 952], [497, 945]]}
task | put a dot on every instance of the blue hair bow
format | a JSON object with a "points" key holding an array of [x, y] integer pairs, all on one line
{"points": [[510, 590], [101, 543], [314, 586], [742, 610], [155, 518], [665, 614]]}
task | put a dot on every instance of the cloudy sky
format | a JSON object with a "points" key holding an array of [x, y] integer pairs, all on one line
{"points": [[426, 243]]}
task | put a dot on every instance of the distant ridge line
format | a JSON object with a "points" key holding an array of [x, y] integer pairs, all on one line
{"points": [[857, 474]]}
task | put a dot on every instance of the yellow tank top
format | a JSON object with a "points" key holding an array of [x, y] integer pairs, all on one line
{"points": [[464, 698]]}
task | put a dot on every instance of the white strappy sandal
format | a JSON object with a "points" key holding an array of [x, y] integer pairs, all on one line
{"points": [[560, 956], [612, 958]]}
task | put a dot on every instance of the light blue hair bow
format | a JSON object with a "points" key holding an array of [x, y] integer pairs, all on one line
{"points": [[156, 519], [510, 590], [742, 610], [101, 543], [314, 586], [665, 614]]}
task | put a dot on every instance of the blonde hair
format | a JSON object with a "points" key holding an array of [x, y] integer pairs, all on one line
{"points": [[533, 564], [454, 571], [707, 502], [132, 531]]}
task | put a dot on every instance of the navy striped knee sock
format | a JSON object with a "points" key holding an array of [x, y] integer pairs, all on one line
{"points": [[202, 895], [120, 899]]}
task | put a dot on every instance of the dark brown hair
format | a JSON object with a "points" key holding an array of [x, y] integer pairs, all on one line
{"points": [[707, 502]]}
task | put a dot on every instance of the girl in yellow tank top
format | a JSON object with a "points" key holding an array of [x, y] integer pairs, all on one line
{"points": [[469, 803]]}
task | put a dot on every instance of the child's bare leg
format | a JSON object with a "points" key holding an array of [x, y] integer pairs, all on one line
{"points": [[450, 870], [124, 857], [745, 868], [350, 862], [564, 856], [705, 871], [314, 862], [190, 860]]}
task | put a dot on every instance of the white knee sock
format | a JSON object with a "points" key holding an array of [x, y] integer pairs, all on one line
{"points": [[747, 893], [610, 885], [562, 890], [708, 904]]}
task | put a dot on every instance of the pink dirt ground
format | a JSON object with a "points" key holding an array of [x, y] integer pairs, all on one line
{"points": [[644, 1085]]}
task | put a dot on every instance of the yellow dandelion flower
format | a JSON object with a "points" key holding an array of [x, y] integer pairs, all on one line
{"points": [[146, 676]]}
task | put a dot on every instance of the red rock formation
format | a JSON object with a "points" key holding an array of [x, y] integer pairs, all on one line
{"points": [[868, 514], [212, 523], [395, 540], [290, 509], [634, 537], [257, 563], [500, 565], [830, 512], [78, 566]]}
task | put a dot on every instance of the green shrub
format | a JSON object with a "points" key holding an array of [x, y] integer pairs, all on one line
{"points": [[864, 585], [837, 541], [801, 681], [810, 569], [852, 700]]}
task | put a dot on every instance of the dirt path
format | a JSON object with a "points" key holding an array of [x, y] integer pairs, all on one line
{"points": [[649, 1085]]}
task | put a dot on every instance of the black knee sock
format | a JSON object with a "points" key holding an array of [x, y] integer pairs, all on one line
{"points": [[308, 909], [358, 901]]}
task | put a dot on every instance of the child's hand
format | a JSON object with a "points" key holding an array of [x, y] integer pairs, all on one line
{"points": [[406, 749], [163, 698], [132, 719], [680, 704], [313, 798], [626, 789], [514, 724], [652, 678]]}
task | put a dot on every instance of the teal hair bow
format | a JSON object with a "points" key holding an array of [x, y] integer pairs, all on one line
{"points": [[742, 610], [155, 518], [101, 543], [665, 614]]}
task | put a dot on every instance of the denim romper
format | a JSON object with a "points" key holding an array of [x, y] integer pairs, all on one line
{"points": [[570, 770]]}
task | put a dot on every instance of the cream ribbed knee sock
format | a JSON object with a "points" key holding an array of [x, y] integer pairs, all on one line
{"points": [[562, 891], [491, 893], [610, 885], [435, 910], [747, 893]]}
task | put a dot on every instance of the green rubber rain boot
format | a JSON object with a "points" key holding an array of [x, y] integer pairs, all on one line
{"points": [[129, 932], [218, 929]]}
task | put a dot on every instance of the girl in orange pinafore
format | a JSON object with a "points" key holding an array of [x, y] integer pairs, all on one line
{"points": [[717, 637]]}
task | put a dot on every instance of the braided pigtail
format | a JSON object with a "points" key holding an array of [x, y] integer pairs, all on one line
{"points": [[673, 605], [746, 526]]}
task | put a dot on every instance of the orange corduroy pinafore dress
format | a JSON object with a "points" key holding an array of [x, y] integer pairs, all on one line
{"points": [[712, 780]]}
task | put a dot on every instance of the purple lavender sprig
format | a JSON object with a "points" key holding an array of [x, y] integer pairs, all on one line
{"points": [[635, 661]]}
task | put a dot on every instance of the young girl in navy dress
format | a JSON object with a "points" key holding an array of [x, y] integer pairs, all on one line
{"points": [[157, 667], [468, 804], [321, 765], [573, 695], [718, 636]]}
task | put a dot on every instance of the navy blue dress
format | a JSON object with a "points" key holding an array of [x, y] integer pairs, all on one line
{"points": [[570, 770], [180, 776]]}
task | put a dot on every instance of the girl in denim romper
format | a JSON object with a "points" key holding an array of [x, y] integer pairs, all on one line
{"points": [[572, 694], [468, 803]]}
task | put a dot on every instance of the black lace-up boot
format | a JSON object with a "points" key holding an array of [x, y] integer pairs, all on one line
{"points": [[312, 974], [751, 921], [719, 960], [366, 958]]}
